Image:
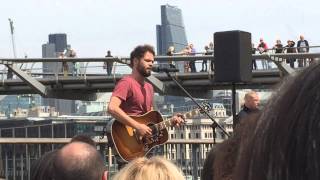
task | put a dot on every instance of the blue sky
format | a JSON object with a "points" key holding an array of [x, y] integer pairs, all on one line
{"points": [[93, 26]]}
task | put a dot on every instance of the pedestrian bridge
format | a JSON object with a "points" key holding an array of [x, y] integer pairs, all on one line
{"points": [[85, 85]]}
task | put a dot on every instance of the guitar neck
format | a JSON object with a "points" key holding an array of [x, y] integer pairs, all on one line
{"points": [[164, 124], [167, 123]]}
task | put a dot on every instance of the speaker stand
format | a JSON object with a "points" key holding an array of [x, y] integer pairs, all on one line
{"points": [[214, 124], [234, 91]]}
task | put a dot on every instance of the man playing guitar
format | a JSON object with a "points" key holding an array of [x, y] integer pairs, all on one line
{"points": [[133, 95]]}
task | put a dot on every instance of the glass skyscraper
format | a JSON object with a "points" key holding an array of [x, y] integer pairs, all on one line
{"points": [[171, 32]]}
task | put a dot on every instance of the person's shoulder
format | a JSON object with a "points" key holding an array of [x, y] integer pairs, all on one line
{"points": [[126, 78], [242, 113], [149, 85]]}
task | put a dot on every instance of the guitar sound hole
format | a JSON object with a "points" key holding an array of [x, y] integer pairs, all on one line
{"points": [[153, 128], [154, 138]]}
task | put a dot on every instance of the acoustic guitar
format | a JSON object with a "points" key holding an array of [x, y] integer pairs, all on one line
{"points": [[129, 145]]}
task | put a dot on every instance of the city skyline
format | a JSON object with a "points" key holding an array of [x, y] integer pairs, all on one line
{"points": [[92, 26]]}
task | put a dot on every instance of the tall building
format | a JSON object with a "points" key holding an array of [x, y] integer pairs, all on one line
{"points": [[59, 40], [57, 43], [48, 51], [171, 32]]}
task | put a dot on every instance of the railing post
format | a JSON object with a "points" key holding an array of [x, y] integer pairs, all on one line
{"points": [[194, 161], [7, 171]]}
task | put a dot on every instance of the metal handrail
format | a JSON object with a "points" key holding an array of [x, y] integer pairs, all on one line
{"points": [[121, 61], [157, 58]]}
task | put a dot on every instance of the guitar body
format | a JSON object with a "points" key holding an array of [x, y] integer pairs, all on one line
{"points": [[128, 144]]}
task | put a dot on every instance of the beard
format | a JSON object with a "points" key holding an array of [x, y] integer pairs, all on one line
{"points": [[144, 72]]}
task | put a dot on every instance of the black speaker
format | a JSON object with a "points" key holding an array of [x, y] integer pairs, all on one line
{"points": [[232, 56]]}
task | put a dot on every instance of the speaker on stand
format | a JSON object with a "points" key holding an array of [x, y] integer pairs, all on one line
{"points": [[232, 59]]}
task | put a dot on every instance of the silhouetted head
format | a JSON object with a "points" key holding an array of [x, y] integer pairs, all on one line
{"points": [[78, 161], [42, 168]]}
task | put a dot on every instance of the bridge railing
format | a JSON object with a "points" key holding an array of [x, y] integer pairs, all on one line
{"points": [[94, 66]]}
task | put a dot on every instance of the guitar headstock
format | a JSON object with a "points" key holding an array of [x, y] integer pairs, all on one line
{"points": [[192, 113], [196, 110]]}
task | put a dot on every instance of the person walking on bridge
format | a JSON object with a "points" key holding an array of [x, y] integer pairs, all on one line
{"points": [[108, 65]]}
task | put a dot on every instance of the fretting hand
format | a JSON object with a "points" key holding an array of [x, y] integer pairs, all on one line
{"points": [[178, 119]]}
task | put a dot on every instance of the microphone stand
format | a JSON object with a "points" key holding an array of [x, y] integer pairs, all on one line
{"points": [[214, 124]]}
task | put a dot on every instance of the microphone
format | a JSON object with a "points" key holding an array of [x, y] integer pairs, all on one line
{"points": [[165, 69]]}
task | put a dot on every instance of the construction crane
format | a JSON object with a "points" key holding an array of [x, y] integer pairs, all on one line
{"points": [[12, 38], [10, 74]]}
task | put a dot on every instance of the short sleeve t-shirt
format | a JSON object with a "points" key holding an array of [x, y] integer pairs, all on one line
{"points": [[136, 98]]}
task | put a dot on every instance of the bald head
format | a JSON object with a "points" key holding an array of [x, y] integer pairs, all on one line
{"points": [[301, 37], [76, 150], [251, 100], [78, 161]]}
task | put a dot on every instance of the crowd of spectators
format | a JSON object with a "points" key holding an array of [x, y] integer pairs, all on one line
{"points": [[189, 50], [300, 46]]}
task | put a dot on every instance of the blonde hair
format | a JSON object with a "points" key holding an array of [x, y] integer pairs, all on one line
{"points": [[171, 49], [155, 168]]}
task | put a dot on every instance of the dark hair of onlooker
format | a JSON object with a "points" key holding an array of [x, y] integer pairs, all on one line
{"points": [[83, 138], [78, 161], [139, 52], [221, 160], [286, 142], [208, 171], [42, 168]]}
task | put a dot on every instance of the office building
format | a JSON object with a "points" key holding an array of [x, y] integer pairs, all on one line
{"points": [[171, 32], [59, 40], [57, 44]]}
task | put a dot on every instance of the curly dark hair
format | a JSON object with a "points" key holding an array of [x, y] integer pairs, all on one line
{"points": [[139, 52]]}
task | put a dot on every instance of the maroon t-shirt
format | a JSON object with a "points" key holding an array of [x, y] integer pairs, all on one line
{"points": [[136, 98]]}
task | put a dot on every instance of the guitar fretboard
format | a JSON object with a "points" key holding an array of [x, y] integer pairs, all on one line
{"points": [[168, 123], [163, 124]]}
